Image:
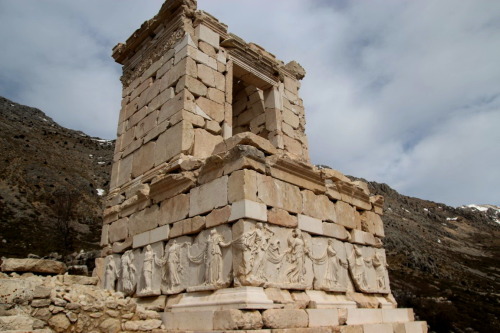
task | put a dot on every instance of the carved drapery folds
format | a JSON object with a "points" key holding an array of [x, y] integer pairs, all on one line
{"points": [[248, 253]]}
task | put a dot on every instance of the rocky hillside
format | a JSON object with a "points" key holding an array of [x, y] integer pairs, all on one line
{"points": [[444, 261], [51, 184]]}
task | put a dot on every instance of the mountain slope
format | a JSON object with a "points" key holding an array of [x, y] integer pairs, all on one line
{"points": [[444, 261], [49, 176]]}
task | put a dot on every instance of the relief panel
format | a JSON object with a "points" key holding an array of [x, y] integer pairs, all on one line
{"points": [[330, 265]]}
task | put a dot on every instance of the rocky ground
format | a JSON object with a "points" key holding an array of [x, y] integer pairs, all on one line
{"points": [[444, 261]]}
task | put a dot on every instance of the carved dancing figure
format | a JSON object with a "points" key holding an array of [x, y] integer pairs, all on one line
{"points": [[357, 264], [110, 274], [333, 266], [296, 252], [148, 268], [257, 241], [128, 272], [212, 256], [380, 267], [213, 272], [172, 257]]}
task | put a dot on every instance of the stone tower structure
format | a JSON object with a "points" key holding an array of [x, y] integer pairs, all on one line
{"points": [[215, 213]]}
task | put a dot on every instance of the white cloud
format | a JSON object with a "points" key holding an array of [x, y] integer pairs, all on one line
{"points": [[402, 92]]}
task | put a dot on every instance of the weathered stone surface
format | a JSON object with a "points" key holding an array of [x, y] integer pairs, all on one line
{"points": [[204, 143], [211, 108], [310, 224], [246, 138], [218, 216], [281, 217], [236, 319], [174, 209], [248, 209], [188, 226], [318, 206], [142, 325], [345, 214], [198, 320], [323, 317], [285, 318], [17, 323], [364, 316], [177, 139], [118, 230], [33, 265], [242, 185], [335, 230], [59, 322], [208, 196], [146, 219], [279, 194], [207, 35]]}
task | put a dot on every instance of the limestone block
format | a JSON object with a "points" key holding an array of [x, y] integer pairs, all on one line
{"points": [[295, 172], [290, 118], [364, 300], [155, 303], [118, 230], [279, 296], [33, 265], [216, 95], [373, 223], [377, 202], [186, 40], [196, 87], [220, 80], [120, 247], [124, 170], [234, 319], [331, 266], [146, 124], [292, 146], [243, 298], [177, 139], [319, 299], [174, 209], [143, 159], [345, 214], [207, 49], [206, 75], [281, 217], [363, 316], [142, 325], [159, 234], [310, 224], [242, 184], [144, 220], [187, 226], [218, 216], [204, 143], [207, 35], [199, 320], [59, 322], [248, 209], [335, 230], [323, 317], [208, 196], [411, 327], [182, 101], [288, 264], [397, 315], [211, 108], [213, 127], [104, 235], [318, 206], [377, 328], [279, 194], [182, 67], [141, 239], [351, 329], [160, 100], [143, 86], [285, 318], [168, 186]]}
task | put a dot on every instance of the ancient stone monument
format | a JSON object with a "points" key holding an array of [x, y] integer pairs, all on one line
{"points": [[215, 211]]}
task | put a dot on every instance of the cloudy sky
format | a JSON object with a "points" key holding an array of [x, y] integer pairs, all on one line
{"points": [[401, 92]]}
